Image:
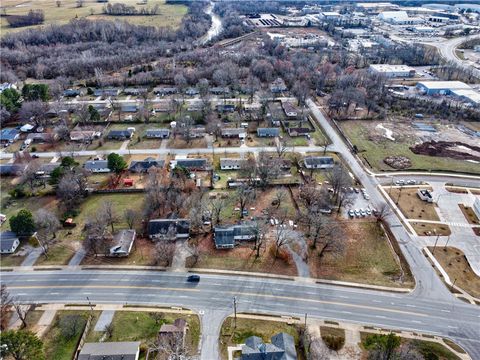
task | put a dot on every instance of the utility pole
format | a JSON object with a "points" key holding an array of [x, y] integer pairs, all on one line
{"points": [[453, 284], [435, 246], [445, 246], [90, 304], [234, 312], [305, 320]]}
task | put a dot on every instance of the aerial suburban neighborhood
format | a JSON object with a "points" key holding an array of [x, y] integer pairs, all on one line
{"points": [[239, 180]]}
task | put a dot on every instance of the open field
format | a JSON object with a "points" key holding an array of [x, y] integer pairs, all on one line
{"points": [[374, 148], [453, 261], [168, 15], [230, 336], [411, 205], [368, 258], [144, 327]]}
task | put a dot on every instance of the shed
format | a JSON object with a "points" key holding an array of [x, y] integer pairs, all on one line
{"points": [[318, 162]]}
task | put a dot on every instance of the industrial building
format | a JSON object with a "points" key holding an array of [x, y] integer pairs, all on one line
{"points": [[399, 18], [441, 87], [393, 71]]}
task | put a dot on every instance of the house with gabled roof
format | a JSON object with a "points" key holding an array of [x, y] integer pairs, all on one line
{"points": [[168, 229], [268, 132], [142, 166], [282, 347], [225, 237]]}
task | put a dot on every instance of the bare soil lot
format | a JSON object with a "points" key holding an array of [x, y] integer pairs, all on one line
{"points": [[411, 205]]}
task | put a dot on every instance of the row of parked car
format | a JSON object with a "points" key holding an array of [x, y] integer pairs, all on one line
{"points": [[353, 213], [405, 182]]}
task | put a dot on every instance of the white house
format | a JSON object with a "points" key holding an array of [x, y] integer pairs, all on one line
{"points": [[8, 242], [392, 71]]}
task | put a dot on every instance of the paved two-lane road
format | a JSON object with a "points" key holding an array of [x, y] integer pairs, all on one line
{"points": [[213, 298]]}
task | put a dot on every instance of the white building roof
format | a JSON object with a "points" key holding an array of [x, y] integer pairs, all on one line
{"points": [[397, 15], [386, 68], [451, 85], [470, 95]]}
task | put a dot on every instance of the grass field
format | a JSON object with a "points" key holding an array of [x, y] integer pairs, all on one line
{"points": [[453, 261], [168, 15], [367, 259], [375, 152], [250, 327]]}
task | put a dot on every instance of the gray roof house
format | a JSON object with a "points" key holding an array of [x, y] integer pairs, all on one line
{"points": [[239, 133], [126, 350], [157, 133], [106, 92], [165, 90], [129, 108], [120, 134], [318, 162], [168, 229], [231, 163], [12, 169], [278, 86], [192, 91], [123, 242], [97, 166], [190, 164], [8, 242], [145, 165], [134, 91], [225, 237], [282, 347], [9, 135], [268, 132]]}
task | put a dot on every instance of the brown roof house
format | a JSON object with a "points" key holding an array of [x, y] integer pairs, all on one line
{"points": [[173, 332]]}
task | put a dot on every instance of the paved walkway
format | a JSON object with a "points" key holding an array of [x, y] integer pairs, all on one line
{"points": [[182, 251], [32, 257], [104, 320], [44, 322], [78, 257]]}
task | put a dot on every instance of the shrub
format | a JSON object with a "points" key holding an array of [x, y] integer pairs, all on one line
{"points": [[333, 342]]}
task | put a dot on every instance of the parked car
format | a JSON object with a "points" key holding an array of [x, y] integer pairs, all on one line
{"points": [[193, 278], [369, 212], [357, 212], [356, 190], [351, 213], [362, 212]]}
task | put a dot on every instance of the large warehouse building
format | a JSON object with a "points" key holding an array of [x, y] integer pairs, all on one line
{"points": [[399, 18], [393, 71], [441, 87]]}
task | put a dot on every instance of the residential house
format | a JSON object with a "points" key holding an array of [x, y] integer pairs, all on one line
{"points": [[9, 135], [164, 106], [84, 135], [298, 131], [106, 92], [129, 108], [6, 85], [97, 166], [190, 164], [12, 169], [134, 91], [42, 137], [168, 229], [231, 163], [222, 108], [162, 90], [26, 128], [318, 162], [254, 107], [8, 242], [220, 90], [278, 86], [174, 331], [425, 195], [289, 109], [225, 237], [192, 91], [47, 168], [282, 347], [121, 134], [268, 132], [197, 132], [125, 350], [122, 243], [71, 92], [238, 133], [144, 165], [157, 133]]}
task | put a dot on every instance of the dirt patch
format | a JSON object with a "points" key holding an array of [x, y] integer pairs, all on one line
{"points": [[398, 162], [454, 150]]}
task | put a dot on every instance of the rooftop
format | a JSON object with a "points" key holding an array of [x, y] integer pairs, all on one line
{"points": [[452, 85]]}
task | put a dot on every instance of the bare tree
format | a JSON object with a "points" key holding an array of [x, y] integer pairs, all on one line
{"points": [[214, 207], [47, 225], [95, 234], [34, 111], [278, 197], [21, 311], [164, 251], [108, 214], [131, 217], [338, 177], [281, 147], [268, 168], [70, 325], [171, 347], [244, 195], [29, 175], [382, 212], [261, 229], [5, 306], [72, 188]]}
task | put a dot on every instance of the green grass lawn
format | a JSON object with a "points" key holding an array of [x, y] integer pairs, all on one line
{"points": [[57, 345], [168, 15], [251, 327], [358, 134], [142, 326]]}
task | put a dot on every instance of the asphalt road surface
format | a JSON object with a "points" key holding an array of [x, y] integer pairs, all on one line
{"points": [[213, 296]]}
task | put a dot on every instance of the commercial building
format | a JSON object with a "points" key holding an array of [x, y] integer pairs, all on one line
{"points": [[441, 87], [393, 71], [468, 96]]}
